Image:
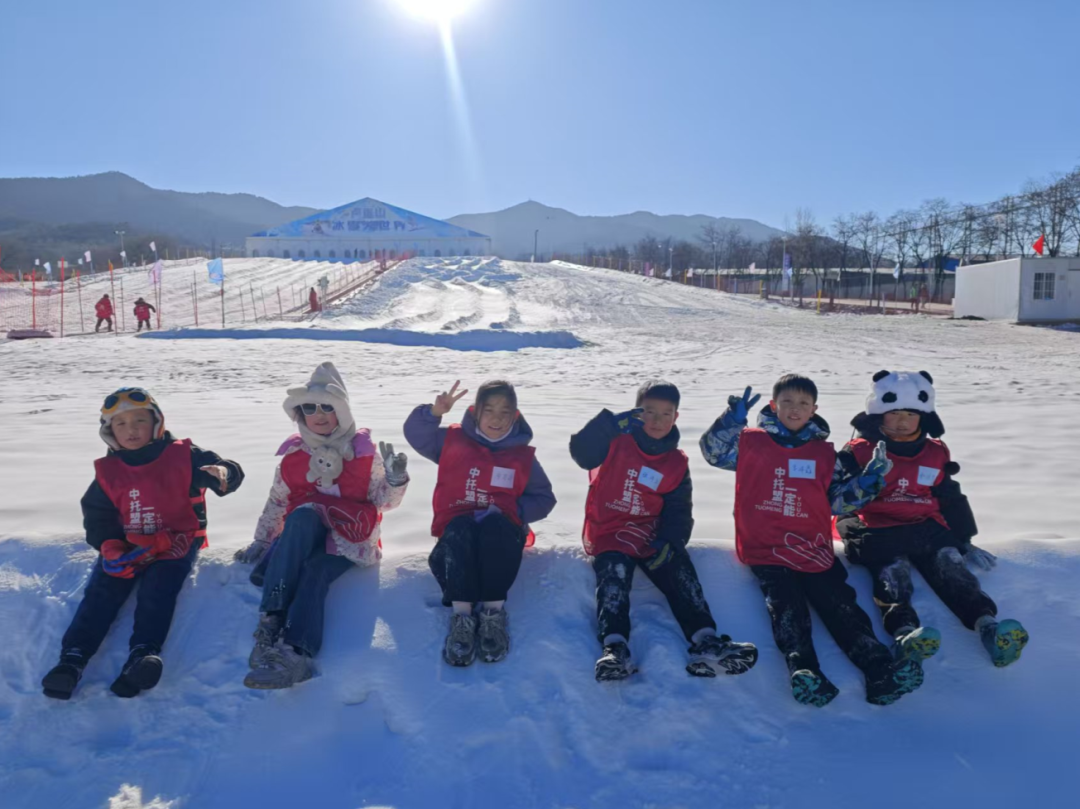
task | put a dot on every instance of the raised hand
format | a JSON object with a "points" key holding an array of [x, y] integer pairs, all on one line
{"points": [[740, 406], [879, 465], [628, 420], [394, 464], [445, 402]]}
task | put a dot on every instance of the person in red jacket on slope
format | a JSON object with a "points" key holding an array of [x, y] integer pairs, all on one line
{"points": [[145, 513], [104, 311], [142, 313]]}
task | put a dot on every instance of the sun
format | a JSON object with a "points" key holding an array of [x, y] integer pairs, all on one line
{"points": [[438, 10]]}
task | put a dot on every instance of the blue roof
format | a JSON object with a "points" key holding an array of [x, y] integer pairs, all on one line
{"points": [[369, 217]]}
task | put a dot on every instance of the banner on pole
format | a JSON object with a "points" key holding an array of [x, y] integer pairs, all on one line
{"points": [[86, 255], [216, 270], [898, 270], [80, 262], [37, 262], [753, 266], [48, 269], [787, 265], [154, 276], [153, 247], [123, 254]]}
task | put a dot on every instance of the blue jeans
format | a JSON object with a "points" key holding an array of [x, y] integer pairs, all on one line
{"points": [[298, 576], [159, 585]]}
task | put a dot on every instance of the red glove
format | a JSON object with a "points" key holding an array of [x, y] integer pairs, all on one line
{"points": [[122, 559], [157, 544]]}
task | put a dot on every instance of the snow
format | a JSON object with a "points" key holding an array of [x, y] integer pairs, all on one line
{"points": [[387, 723]]}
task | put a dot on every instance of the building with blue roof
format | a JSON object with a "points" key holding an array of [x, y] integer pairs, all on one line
{"points": [[364, 230]]}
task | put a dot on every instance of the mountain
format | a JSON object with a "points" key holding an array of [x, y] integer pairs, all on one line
{"points": [[512, 230], [34, 209]]}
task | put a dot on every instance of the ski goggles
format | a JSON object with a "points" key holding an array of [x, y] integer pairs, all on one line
{"points": [[310, 409], [136, 397]]}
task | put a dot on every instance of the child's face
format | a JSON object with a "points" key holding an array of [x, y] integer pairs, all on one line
{"points": [[133, 429], [321, 423], [794, 408], [900, 423], [659, 416], [496, 417]]}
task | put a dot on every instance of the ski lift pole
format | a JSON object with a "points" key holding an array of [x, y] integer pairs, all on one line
{"points": [[78, 289], [33, 299], [61, 298]]}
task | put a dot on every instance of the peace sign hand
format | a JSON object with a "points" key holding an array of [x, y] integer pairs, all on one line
{"points": [[445, 402]]}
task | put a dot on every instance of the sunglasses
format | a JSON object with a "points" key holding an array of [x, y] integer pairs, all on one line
{"points": [[136, 396], [312, 409]]}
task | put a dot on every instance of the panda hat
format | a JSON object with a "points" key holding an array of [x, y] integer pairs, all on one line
{"points": [[901, 390]]}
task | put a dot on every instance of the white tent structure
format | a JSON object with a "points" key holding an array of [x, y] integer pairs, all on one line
{"points": [[364, 230], [1021, 290]]}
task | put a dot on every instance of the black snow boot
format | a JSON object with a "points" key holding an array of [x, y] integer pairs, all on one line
{"points": [[615, 663], [141, 672], [891, 682], [714, 655], [62, 678]]}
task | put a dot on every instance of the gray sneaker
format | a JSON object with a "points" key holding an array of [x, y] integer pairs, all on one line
{"points": [[282, 667], [460, 646], [492, 635], [266, 635]]}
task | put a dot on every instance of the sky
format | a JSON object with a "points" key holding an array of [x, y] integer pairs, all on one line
{"points": [[721, 107]]}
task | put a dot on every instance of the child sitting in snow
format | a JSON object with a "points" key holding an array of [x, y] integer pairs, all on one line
{"points": [[321, 518], [788, 483], [921, 518], [145, 513], [490, 487], [639, 513]]}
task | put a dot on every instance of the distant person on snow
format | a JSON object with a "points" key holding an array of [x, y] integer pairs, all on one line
{"points": [[322, 518], [104, 311], [639, 513], [142, 313], [920, 518], [145, 513], [490, 487], [313, 301], [788, 484]]}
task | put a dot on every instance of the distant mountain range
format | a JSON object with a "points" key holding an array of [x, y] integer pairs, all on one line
{"points": [[49, 217], [512, 230]]}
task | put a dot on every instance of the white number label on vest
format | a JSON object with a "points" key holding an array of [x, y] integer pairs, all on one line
{"points": [[807, 470], [927, 475], [649, 478], [502, 478]]}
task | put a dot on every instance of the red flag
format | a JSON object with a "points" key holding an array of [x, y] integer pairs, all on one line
{"points": [[1040, 243]]}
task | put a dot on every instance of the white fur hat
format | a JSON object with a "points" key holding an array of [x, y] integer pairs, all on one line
{"points": [[901, 390], [324, 387]]}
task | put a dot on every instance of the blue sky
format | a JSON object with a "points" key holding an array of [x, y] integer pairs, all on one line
{"points": [[599, 106]]}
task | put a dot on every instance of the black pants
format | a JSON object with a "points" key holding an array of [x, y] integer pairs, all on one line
{"points": [[677, 579], [933, 549], [101, 320], [789, 594], [159, 585], [477, 561], [144, 323]]}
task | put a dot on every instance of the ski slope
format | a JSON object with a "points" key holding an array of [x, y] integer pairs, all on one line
{"points": [[387, 723]]}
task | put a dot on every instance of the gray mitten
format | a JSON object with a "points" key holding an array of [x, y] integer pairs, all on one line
{"points": [[977, 557], [394, 465]]}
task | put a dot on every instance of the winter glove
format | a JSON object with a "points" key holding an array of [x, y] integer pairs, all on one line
{"points": [[978, 558], [394, 465], [157, 544], [121, 559], [872, 479], [628, 420], [740, 406], [220, 474], [253, 552], [664, 553]]}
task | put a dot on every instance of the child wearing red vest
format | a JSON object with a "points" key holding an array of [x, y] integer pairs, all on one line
{"points": [[788, 483], [921, 518], [639, 513], [145, 513], [142, 312], [489, 489], [322, 517]]}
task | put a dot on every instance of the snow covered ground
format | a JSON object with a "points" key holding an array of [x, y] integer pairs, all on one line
{"points": [[387, 723]]}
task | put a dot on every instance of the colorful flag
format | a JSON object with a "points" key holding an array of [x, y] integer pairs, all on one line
{"points": [[86, 255], [217, 271], [154, 276], [110, 267], [1040, 243]]}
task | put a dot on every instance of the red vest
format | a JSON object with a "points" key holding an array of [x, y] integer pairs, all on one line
{"points": [[626, 497], [142, 311], [155, 496], [906, 498], [103, 308], [782, 510], [345, 504], [473, 477]]}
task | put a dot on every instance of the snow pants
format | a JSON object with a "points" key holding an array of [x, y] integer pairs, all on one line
{"points": [[101, 320], [159, 585], [144, 323], [934, 550], [477, 561], [296, 579], [789, 594], [677, 579]]}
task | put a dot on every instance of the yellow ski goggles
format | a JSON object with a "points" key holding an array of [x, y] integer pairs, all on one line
{"points": [[135, 397]]}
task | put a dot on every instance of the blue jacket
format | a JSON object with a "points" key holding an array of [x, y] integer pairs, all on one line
{"points": [[426, 436]]}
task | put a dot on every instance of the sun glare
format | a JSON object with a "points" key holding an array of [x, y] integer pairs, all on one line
{"points": [[438, 10]]}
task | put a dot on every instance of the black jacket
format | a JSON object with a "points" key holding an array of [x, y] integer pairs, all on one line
{"points": [[590, 447], [101, 518]]}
